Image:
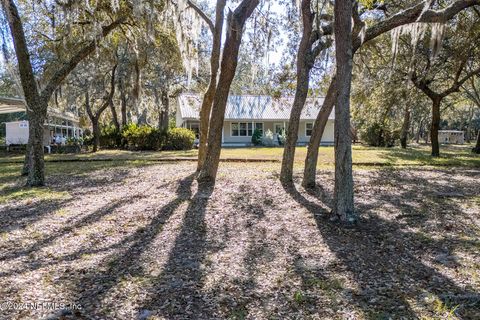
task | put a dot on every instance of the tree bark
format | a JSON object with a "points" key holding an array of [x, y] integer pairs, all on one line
{"points": [[96, 134], [343, 192], [137, 91], [114, 115], [405, 127], [209, 95], [435, 126], [310, 170], [123, 98], [304, 65], [164, 113], [236, 23]]}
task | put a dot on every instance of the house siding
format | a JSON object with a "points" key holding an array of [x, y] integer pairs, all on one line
{"points": [[269, 125]]}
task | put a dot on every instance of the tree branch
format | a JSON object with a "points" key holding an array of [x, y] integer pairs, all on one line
{"points": [[202, 14], [411, 15], [456, 86], [67, 67]]}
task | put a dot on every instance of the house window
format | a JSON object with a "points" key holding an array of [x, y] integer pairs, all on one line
{"points": [[308, 129], [244, 129]]}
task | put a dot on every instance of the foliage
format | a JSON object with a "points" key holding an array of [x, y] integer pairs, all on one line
{"points": [[257, 137], [74, 141], [142, 137], [179, 139], [111, 137], [379, 134]]}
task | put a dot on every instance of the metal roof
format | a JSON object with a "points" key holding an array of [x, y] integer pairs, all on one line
{"points": [[249, 107], [10, 105]]}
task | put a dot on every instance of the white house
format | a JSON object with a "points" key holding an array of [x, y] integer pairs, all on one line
{"points": [[246, 113], [59, 125]]}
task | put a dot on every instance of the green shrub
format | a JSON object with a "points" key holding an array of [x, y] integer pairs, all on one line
{"points": [[88, 140], [379, 135], [257, 137], [142, 137], [111, 137], [179, 139]]}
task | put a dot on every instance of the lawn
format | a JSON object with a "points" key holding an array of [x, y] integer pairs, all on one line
{"points": [[362, 156], [138, 239]]}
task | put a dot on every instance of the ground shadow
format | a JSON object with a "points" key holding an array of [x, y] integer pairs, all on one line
{"points": [[387, 261], [177, 292]]}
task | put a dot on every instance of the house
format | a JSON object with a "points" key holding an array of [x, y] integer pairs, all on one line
{"points": [[58, 127], [451, 137], [246, 113]]}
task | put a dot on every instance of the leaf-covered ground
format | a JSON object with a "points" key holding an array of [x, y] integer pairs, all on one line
{"points": [[138, 242]]}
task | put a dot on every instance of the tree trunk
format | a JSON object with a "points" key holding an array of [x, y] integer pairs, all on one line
{"points": [[137, 88], [123, 98], [164, 113], [343, 192], [310, 170], [36, 173], [405, 128], [304, 65], [96, 134], [209, 95], [236, 22], [435, 126], [114, 116], [419, 131]]}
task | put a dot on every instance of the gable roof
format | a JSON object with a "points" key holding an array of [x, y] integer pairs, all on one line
{"points": [[249, 107]]}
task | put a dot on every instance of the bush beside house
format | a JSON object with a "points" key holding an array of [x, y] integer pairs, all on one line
{"points": [[144, 137]]}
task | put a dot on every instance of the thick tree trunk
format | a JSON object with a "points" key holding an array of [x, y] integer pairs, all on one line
{"points": [[36, 173], [236, 22], [96, 134], [37, 106], [405, 127], [343, 192], [209, 95], [435, 126], [310, 170], [164, 113], [304, 65]]}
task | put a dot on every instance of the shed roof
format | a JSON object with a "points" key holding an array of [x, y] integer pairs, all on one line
{"points": [[10, 105], [250, 107]]}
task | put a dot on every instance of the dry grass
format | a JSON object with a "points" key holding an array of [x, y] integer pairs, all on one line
{"points": [[134, 241]]}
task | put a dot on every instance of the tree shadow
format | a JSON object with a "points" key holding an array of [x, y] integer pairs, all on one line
{"points": [[388, 262], [95, 285], [178, 291]]}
